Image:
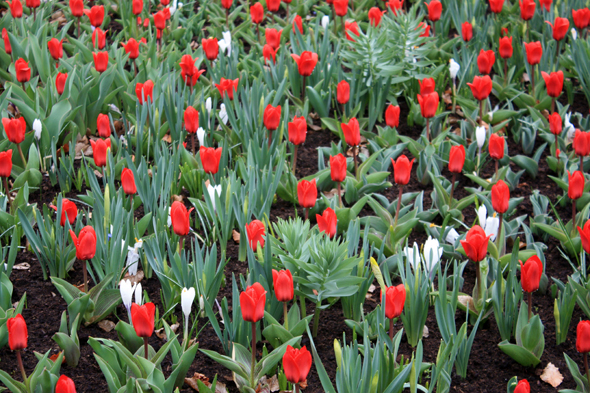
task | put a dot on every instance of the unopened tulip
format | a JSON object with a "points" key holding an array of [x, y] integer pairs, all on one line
{"points": [[375, 15], [69, 210], [560, 28], [128, 181], [210, 158], [307, 193], [211, 48], [576, 183], [137, 7], [298, 24], [252, 302], [85, 243], [65, 385], [351, 29], [17, 333], [22, 70], [343, 92], [101, 60], [341, 7], [392, 115], [272, 117], [428, 104], [554, 83], [15, 129], [534, 51], [481, 87], [427, 86], [99, 151], [6, 164], [60, 82], [555, 123], [500, 197], [338, 168], [77, 8], [55, 48], [273, 5], [456, 159], [143, 319], [103, 125], [581, 143], [191, 120], [476, 244], [7, 47], [506, 47], [273, 37], [327, 222], [132, 48], [581, 18], [269, 53], [402, 169], [395, 298], [485, 61], [351, 131], [585, 236], [227, 87], [306, 62], [527, 9], [297, 130], [531, 272], [16, 8], [496, 146], [144, 92], [496, 6], [256, 232], [257, 13], [99, 38], [296, 364], [187, 296], [96, 15], [583, 337], [522, 387], [160, 21], [282, 282], [466, 31], [180, 218], [434, 10]]}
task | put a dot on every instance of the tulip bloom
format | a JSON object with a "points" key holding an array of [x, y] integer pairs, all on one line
{"points": [[296, 364], [99, 38], [375, 15], [144, 92], [554, 83], [341, 7], [392, 115], [306, 62], [252, 302], [159, 21], [402, 170], [583, 337], [395, 5], [99, 151], [585, 236], [101, 61], [307, 194], [434, 10], [527, 9], [481, 89], [272, 117], [269, 53], [338, 168], [226, 4], [343, 92], [132, 48], [22, 70], [17, 333], [143, 319], [506, 47], [500, 197], [425, 29], [210, 158], [534, 52], [137, 7], [581, 18], [96, 15], [496, 147], [128, 181], [6, 165], [180, 218], [55, 48], [456, 159], [257, 13], [273, 5], [298, 24], [485, 61], [69, 210], [297, 130], [522, 387], [327, 222], [351, 131], [581, 145], [103, 125], [282, 282], [395, 298], [211, 48], [427, 86], [60, 82], [227, 87], [428, 104], [273, 37], [191, 120], [351, 28], [16, 8], [77, 8], [496, 6], [65, 385], [531, 272], [7, 47], [85, 243], [560, 28], [576, 183], [555, 124], [256, 232], [15, 129], [466, 31]]}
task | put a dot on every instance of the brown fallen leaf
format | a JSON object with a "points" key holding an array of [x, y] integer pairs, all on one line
{"points": [[465, 299], [106, 325], [22, 266], [314, 127], [167, 138], [54, 357], [161, 333], [236, 236], [192, 382], [134, 279], [552, 376], [333, 192]]}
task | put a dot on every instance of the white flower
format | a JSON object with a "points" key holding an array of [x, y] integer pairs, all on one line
{"points": [[569, 127], [491, 113], [138, 293], [489, 224], [574, 34], [412, 254], [223, 114], [201, 136], [114, 108], [453, 68], [202, 305], [133, 257], [225, 42], [186, 300], [452, 236], [211, 189], [169, 217], [37, 127], [325, 21], [480, 136], [127, 293], [173, 7], [432, 253], [208, 105]]}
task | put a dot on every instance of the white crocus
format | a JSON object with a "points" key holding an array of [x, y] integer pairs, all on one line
{"points": [[201, 136], [432, 254], [325, 21], [209, 105], [454, 68], [223, 114], [212, 189], [169, 222], [452, 236], [133, 257], [480, 136], [173, 7], [412, 255], [138, 294], [574, 34], [127, 294], [489, 224], [186, 301], [225, 42], [37, 127], [569, 127], [202, 305]]}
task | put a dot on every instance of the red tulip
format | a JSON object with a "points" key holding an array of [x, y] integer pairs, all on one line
{"points": [[210, 158], [340, 7], [145, 92], [496, 147], [228, 87], [137, 7], [307, 193], [85, 243], [581, 18], [375, 15], [428, 104], [282, 282], [456, 159], [298, 23], [252, 302], [143, 319], [255, 231], [395, 5], [343, 92], [327, 222], [555, 123], [272, 117], [297, 130], [351, 28], [576, 182], [55, 48], [581, 143], [99, 38], [132, 48], [554, 83], [534, 51], [128, 181], [560, 28], [15, 129], [434, 10], [191, 80], [585, 236], [77, 8], [23, 71], [103, 125], [485, 61], [69, 209], [296, 364], [427, 86], [527, 9], [99, 151], [6, 163], [546, 4], [481, 87], [33, 3], [583, 337], [500, 197], [496, 6], [530, 274], [425, 29], [16, 8], [65, 385], [7, 47], [402, 169], [273, 5], [211, 48], [187, 65], [257, 13], [96, 15], [476, 244], [273, 37], [60, 82], [226, 4], [160, 20], [17, 333], [268, 52], [180, 218], [523, 387], [101, 60], [338, 168], [505, 47], [352, 132], [395, 298], [467, 31], [191, 120], [392, 115]]}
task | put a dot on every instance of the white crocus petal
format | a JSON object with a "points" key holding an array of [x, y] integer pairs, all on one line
{"points": [[432, 254], [325, 21], [480, 136], [574, 34], [202, 306], [569, 127], [180, 5], [126, 293], [492, 224], [138, 295], [225, 42], [201, 136], [208, 104], [223, 114], [133, 257], [482, 214], [37, 127], [454, 68], [413, 255], [212, 189], [169, 218], [186, 300], [172, 7], [452, 236], [114, 108]]}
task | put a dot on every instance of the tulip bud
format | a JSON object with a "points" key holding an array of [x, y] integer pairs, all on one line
{"points": [[17, 333], [252, 302], [143, 319]]}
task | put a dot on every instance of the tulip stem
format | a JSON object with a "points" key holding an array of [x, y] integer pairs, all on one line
{"points": [[339, 187], [7, 192], [533, 80], [428, 129], [356, 164], [530, 305], [296, 388], [78, 27], [480, 111], [24, 88], [22, 368], [269, 138], [556, 61], [303, 91], [253, 354], [496, 170], [227, 18], [399, 204], [35, 18], [295, 147], [193, 142], [391, 329], [306, 213], [477, 285], [452, 189], [258, 31], [556, 149], [586, 367], [285, 313], [131, 201], [574, 213], [145, 347], [85, 275], [334, 18], [505, 72], [20, 151], [499, 237], [454, 97], [552, 104], [343, 25], [316, 318], [181, 244]]}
